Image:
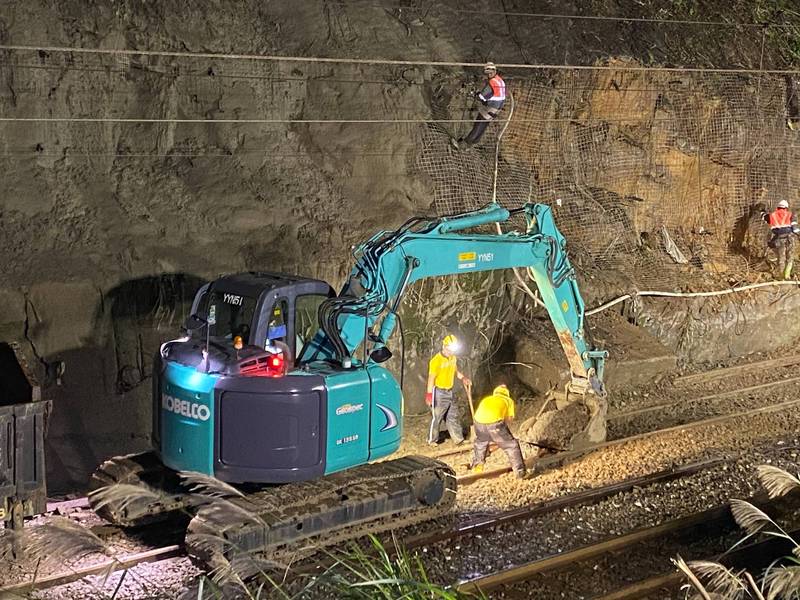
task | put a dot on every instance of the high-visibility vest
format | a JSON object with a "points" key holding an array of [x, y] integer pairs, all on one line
{"points": [[780, 218], [498, 88], [493, 409]]}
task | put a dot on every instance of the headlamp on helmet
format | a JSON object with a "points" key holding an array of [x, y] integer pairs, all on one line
{"points": [[451, 343]]}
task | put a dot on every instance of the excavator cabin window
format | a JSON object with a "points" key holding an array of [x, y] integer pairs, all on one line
{"points": [[305, 319], [276, 329], [229, 315]]}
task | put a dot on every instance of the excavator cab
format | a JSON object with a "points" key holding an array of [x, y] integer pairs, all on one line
{"points": [[231, 399], [261, 309]]}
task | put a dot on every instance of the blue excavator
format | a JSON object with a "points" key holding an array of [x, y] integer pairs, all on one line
{"points": [[278, 388]]}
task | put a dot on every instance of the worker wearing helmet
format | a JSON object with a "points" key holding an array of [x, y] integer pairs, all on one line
{"points": [[492, 417], [442, 372], [783, 227], [490, 100]]}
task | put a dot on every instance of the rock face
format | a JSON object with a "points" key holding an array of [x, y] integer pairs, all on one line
{"points": [[108, 228]]}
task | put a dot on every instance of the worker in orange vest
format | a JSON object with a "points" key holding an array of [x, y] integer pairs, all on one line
{"points": [[491, 99], [783, 226]]}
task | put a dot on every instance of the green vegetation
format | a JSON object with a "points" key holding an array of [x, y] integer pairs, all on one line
{"points": [[359, 573]]}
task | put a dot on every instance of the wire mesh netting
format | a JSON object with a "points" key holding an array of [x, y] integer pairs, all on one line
{"points": [[658, 176]]}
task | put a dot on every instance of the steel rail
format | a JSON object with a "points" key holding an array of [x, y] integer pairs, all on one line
{"points": [[756, 554], [718, 395], [584, 497], [719, 517], [713, 374], [560, 458], [108, 566], [713, 517], [716, 374]]}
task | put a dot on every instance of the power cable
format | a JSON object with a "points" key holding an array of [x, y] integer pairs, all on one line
{"points": [[530, 83], [379, 61], [253, 121], [566, 16]]}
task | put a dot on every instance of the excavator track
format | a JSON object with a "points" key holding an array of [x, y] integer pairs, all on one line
{"points": [[294, 520], [276, 523], [136, 490]]}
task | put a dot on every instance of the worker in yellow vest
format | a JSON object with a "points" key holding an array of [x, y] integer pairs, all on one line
{"points": [[442, 373], [492, 417]]}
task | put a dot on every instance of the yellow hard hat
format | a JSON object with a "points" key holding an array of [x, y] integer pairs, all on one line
{"points": [[450, 342], [502, 390]]}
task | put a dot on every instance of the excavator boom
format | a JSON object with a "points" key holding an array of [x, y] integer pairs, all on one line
{"points": [[390, 261]]}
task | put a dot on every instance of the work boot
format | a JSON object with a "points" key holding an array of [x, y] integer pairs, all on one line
{"points": [[455, 143], [521, 474]]}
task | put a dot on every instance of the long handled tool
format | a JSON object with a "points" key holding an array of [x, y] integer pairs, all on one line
{"points": [[468, 389]]}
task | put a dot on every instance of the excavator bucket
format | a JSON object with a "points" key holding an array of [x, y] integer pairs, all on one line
{"points": [[567, 421]]}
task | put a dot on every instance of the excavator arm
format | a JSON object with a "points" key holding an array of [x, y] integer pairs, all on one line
{"points": [[390, 261]]}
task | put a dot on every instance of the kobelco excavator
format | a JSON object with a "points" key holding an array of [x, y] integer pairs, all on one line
{"points": [[278, 388]]}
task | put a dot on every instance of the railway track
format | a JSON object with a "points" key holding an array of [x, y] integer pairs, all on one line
{"points": [[559, 459], [471, 526], [477, 525], [683, 381], [703, 535]]}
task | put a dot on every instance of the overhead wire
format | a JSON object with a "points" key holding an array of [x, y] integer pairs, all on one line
{"points": [[378, 61], [563, 16], [532, 84], [265, 121]]}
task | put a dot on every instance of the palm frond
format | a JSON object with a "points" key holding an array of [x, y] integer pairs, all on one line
{"points": [[776, 481], [8, 537], [123, 495], [220, 512], [693, 580], [207, 486], [223, 574], [719, 579], [782, 582], [62, 540], [750, 518]]}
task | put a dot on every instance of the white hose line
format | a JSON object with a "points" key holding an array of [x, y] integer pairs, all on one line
{"points": [[741, 288], [497, 147]]}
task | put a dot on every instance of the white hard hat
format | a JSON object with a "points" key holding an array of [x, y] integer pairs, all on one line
{"points": [[783, 204], [489, 67]]}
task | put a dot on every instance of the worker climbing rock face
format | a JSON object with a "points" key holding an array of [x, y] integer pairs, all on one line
{"points": [[490, 100], [442, 372], [492, 417], [783, 227]]}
